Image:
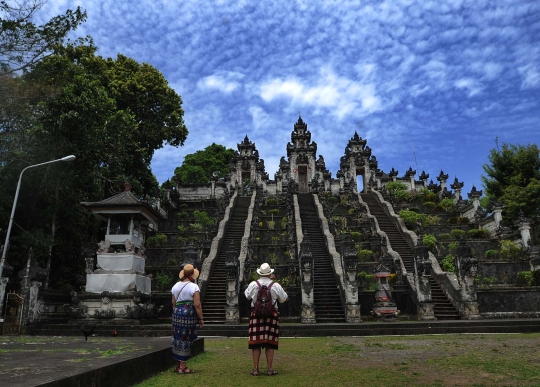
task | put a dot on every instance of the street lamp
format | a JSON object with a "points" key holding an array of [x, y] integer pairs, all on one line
{"points": [[6, 243]]}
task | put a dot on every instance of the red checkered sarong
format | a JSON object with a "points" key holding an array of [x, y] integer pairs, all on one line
{"points": [[264, 332]]}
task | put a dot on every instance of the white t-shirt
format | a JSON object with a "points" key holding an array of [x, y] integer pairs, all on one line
{"points": [[276, 291], [184, 291]]}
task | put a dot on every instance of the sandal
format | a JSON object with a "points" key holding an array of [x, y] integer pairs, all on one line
{"points": [[186, 370], [271, 372], [255, 372]]}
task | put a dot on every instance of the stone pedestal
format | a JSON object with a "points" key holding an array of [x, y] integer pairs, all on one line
{"points": [[3, 284], [232, 315], [425, 311], [308, 315], [353, 314]]}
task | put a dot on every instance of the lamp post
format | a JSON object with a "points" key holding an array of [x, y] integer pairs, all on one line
{"points": [[6, 243]]}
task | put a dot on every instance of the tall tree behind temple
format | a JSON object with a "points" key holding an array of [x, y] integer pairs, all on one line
{"points": [[198, 167], [111, 114], [513, 177]]}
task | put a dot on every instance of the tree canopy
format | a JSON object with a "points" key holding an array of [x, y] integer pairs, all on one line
{"points": [[22, 42], [513, 177], [198, 167], [112, 114]]}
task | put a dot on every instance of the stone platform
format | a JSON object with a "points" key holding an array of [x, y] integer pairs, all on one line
{"points": [[58, 361], [379, 328]]}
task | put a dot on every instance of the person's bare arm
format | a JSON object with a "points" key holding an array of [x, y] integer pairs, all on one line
{"points": [[198, 307], [173, 301]]}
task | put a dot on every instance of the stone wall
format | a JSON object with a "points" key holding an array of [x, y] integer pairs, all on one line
{"points": [[504, 272], [509, 302]]}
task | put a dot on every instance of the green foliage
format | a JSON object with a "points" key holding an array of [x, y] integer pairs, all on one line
{"points": [[271, 224], [430, 241], [402, 196], [367, 281], [332, 200], [284, 222], [482, 281], [197, 226], [364, 255], [274, 211], [271, 201], [202, 218], [412, 218], [198, 167], [444, 236], [457, 233], [452, 246], [395, 187], [478, 233], [447, 204], [163, 282], [447, 263], [525, 278], [491, 254], [156, 241], [430, 197], [509, 250], [182, 228], [356, 236], [182, 240], [273, 259], [432, 220], [172, 262], [429, 205], [182, 214], [513, 177], [22, 42], [351, 211]]}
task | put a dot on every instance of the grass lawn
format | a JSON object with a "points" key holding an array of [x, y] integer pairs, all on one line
{"points": [[430, 360]]}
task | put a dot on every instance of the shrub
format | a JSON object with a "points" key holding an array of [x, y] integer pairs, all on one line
{"points": [[433, 220], [284, 222], [182, 228], [271, 202], [172, 262], [332, 199], [430, 241], [491, 254], [197, 226], [430, 197], [351, 211], [453, 220], [396, 186], [182, 240], [157, 240], [478, 233], [463, 220], [183, 214], [364, 255], [274, 211], [356, 236], [525, 278], [447, 264], [445, 236], [367, 281], [457, 233], [414, 209], [184, 205], [429, 205], [163, 282], [509, 250], [447, 204], [410, 218], [484, 281], [452, 246], [273, 259], [271, 224], [402, 196]]}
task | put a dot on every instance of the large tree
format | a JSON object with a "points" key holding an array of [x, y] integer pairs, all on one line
{"points": [[112, 114], [198, 167], [513, 177], [22, 42]]}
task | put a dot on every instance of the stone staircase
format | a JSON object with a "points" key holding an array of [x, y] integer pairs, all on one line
{"points": [[214, 301], [328, 303], [443, 308]]}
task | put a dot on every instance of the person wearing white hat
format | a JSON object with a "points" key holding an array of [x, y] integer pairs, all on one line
{"points": [[264, 332], [187, 309]]}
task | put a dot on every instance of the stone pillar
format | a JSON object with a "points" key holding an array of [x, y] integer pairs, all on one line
{"points": [[466, 268], [442, 178], [497, 214], [524, 225], [410, 174], [350, 263], [457, 186], [32, 300], [474, 195], [393, 174], [424, 177], [422, 274], [3, 284], [306, 282], [232, 312]]}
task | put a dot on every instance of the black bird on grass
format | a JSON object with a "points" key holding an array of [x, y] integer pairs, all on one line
{"points": [[87, 330]]}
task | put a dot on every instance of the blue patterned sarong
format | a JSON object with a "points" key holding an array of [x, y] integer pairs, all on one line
{"points": [[184, 322]]}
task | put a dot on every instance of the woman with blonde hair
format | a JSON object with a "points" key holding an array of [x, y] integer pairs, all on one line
{"points": [[187, 309]]}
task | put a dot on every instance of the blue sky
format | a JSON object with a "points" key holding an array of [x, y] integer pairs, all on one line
{"points": [[442, 78]]}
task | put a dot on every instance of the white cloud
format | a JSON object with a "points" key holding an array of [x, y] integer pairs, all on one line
{"points": [[471, 85], [226, 82]]}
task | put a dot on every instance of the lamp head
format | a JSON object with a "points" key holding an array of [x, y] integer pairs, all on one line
{"points": [[68, 158]]}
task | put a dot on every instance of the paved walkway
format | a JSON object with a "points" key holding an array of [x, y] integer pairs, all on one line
{"points": [[65, 361]]}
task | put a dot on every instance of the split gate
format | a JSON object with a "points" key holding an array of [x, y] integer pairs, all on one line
{"points": [[13, 314]]}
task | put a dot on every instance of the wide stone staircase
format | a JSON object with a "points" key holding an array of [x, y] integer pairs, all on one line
{"points": [[327, 298], [215, 301], [443, 308]]}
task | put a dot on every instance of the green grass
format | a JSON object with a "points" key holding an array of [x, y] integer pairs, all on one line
{"points": [[434, 360]]}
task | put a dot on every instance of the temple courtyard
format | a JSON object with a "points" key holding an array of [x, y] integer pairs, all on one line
{"points": [[420, 360]]}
